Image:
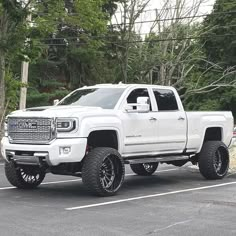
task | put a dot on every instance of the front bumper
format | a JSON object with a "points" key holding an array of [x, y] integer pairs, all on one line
{"points": [[76, 148]]}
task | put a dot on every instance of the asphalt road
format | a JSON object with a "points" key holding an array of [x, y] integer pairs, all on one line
{"points": [[174, 201]]}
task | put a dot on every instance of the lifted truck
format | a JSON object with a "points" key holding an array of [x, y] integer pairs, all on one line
{"points": [[94, 131]]}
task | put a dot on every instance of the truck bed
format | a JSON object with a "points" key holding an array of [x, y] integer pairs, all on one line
{"points": [[199, 121]]}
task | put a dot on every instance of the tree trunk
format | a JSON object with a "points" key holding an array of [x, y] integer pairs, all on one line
{"points": [[2, 93], [125, 66], [2, 85]]}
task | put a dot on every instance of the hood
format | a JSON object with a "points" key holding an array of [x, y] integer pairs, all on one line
{"points": [[54, 111]]}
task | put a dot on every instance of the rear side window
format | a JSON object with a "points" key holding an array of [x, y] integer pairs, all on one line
{"points": [[165, 99]]}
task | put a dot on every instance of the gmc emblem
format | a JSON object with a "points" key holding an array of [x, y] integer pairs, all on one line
{"points": [[27, 125]]}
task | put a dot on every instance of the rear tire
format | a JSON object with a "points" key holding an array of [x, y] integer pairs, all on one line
{"points": [[103, 171], [214, 160], [24, 177], [144, 169]]}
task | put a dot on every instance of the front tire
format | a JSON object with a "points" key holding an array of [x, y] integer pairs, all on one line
{"points": [[214, 160], [24, 177], [103, 171], [144, 169]]}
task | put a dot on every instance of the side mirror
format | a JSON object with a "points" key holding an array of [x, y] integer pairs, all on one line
{"points": [[142, 106], [55, 102]]}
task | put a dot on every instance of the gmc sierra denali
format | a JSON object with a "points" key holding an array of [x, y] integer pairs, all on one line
{"points": [[95, 130]]}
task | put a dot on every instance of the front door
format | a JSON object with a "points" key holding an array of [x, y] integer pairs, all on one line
{"points": [[140, 134]]}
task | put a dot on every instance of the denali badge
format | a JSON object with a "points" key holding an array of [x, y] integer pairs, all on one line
{"points": [[27, 125]]}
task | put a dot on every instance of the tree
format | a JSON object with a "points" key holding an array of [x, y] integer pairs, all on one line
{"points": [[82, 31], [126, 18], [168, 53], [11, 17], [19, 39], [220, 37], [76, 54], [172, 53], [217, 81]]}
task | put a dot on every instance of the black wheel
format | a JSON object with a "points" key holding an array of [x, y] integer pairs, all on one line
{"points": [[144, 169], [103, 171], [25, 177], [214, 160]]}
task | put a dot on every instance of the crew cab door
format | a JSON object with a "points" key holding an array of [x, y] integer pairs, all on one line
{"points": [[171, 122], [140, 134]]}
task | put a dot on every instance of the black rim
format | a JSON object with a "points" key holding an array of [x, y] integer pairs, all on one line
{"points": [[221, 161], [148, 167], [30, 176], [111, 173]]}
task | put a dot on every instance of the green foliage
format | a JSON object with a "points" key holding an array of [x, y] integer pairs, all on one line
{"points": [[45, 17], [20, 40], [13, 86], [46, 84], [36, 98], [223, 100], [70, 45], [220, 38], [88, 15], [79, 59]]}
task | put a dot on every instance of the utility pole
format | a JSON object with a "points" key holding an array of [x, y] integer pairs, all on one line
{"points": [[24, 75], [150, 76], [24, 80]]}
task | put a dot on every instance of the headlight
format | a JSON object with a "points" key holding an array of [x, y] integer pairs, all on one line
{"points": [[5, 128], [66, 124]]}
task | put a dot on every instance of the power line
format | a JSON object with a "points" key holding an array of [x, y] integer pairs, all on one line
{"points": [[112, 36], [105, 37], [159, 9], [151, 41], [166, 19], [178, 39], [173, 18], [177, 8], [155, 9], [177, 18]]}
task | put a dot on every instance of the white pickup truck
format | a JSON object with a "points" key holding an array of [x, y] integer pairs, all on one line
{"points": [[94, 131]]}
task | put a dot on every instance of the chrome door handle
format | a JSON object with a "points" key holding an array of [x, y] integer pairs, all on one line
{"points": [[153, 119], [181, 118]]}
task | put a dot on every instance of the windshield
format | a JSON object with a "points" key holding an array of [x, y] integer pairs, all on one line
{"points": [[105, 98]]}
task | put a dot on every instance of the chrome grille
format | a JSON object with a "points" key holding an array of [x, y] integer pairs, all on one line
{"points": [[30, 130]]}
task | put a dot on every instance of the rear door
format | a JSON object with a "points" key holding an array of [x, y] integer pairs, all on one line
{"points": [[171, 122]]}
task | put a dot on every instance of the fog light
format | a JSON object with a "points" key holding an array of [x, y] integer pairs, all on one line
{"points": [[65, 150]]}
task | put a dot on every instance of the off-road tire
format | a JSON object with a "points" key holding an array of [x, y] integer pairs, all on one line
{"points": [[100, 165], [19, 176], [214, 160], [142, 169]]}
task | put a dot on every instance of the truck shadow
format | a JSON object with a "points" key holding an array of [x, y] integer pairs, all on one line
{"points": [[133, 185]]}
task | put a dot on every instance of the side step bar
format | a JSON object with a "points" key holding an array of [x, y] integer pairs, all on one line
{"points": [[156, 159]]}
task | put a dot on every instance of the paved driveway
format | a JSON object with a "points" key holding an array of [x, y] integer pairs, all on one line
{"points": [[174, 201]]}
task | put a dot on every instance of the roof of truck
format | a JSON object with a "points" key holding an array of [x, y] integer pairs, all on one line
{"points": [[122, 85]]}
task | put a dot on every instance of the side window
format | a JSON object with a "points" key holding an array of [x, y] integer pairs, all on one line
{"points": [[166, 100], [132, 98]]}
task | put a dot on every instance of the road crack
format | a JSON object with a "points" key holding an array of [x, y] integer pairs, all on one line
{"points": [[169, 226]]}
